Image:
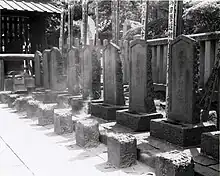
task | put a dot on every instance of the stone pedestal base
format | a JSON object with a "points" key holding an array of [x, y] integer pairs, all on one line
{"points": [[105, 111], [180, 134], [39, 95], [137, 122], [174, 163], [63, 100], [87, 133], [11, 99], [63, 121], [20, 103], [4, 95], [51, 96], [210, 144], [122, 150], [45, 114], [32, 108]]}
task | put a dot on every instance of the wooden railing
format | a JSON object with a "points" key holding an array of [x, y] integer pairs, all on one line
{"points": [[207, 54]]}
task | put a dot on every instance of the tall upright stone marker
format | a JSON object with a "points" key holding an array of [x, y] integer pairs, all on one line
{"points": [[141, 106], [73, 68], [57, 78], [91, 72], [183, 126], [37, 68], [46, 69], [113, 84]]}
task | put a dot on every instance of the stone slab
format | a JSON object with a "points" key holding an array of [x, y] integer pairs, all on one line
{"points": [[210, 144], [45, 114], [3, 96], [216, 167], [51, 96], [87, 133], [11, 98], [180, 134], [63, 121], [32, 108], [20, 103], [204, 160], [105, 111], [63, 100], [174, 163], [122, 150], [137, 122], [205, 170]]}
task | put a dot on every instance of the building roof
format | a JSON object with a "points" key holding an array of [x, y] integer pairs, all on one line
{"points": [[30, 6]]}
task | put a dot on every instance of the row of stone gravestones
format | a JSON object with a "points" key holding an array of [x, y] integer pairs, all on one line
{"points": [[83, 70], [183, 126]]}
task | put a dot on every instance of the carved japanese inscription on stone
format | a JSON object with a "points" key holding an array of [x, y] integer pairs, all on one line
{"points": [[182, 56], [138, 78], [109, 74]]}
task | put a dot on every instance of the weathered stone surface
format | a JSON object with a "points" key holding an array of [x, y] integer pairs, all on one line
{"points": [[29, 84], [204, 160], [113, 76], [20, 103], [32, 108], [174, 163], [210, 144], [39, 95], [205, 170], [58, 80], [141, 98], [2, 75], [76, 102], [63, 100], [63, 121], [45, 114], [51, 96], [182, 92], [11, 98], [4, 95], [136, 121], [105, 111], [19, 84], [122, 150], [8, 85], [73, 71], [37, 68], [87, 133], [46, 69], [177, 133]]}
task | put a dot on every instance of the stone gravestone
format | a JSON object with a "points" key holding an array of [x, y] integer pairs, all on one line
{"points": [[183, 126], [113, 84], [91, 72], [73, 71], [46, 69], [141, 103], [37, 68], [57, 78]]}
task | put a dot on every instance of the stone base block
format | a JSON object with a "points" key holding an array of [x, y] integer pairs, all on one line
{"points": [[184, 135], [210, 144], [76, 103], [39, 95], [87, 133], [45, 114], [4, 96], [63, 121], [137, 122], [105, 111], [122, 150], [32, 108], [11, 99], [63, 100], [20, 103], [51, 96], [174, 163], [8, 84]]}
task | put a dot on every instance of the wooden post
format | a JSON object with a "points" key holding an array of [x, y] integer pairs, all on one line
{"points": [[70, 26], [85, 22], [97, 22], [61, 39], [171, 35], [115, 21]]}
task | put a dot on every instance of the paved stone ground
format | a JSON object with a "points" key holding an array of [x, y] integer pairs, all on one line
{"points": [[28, 149]]}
